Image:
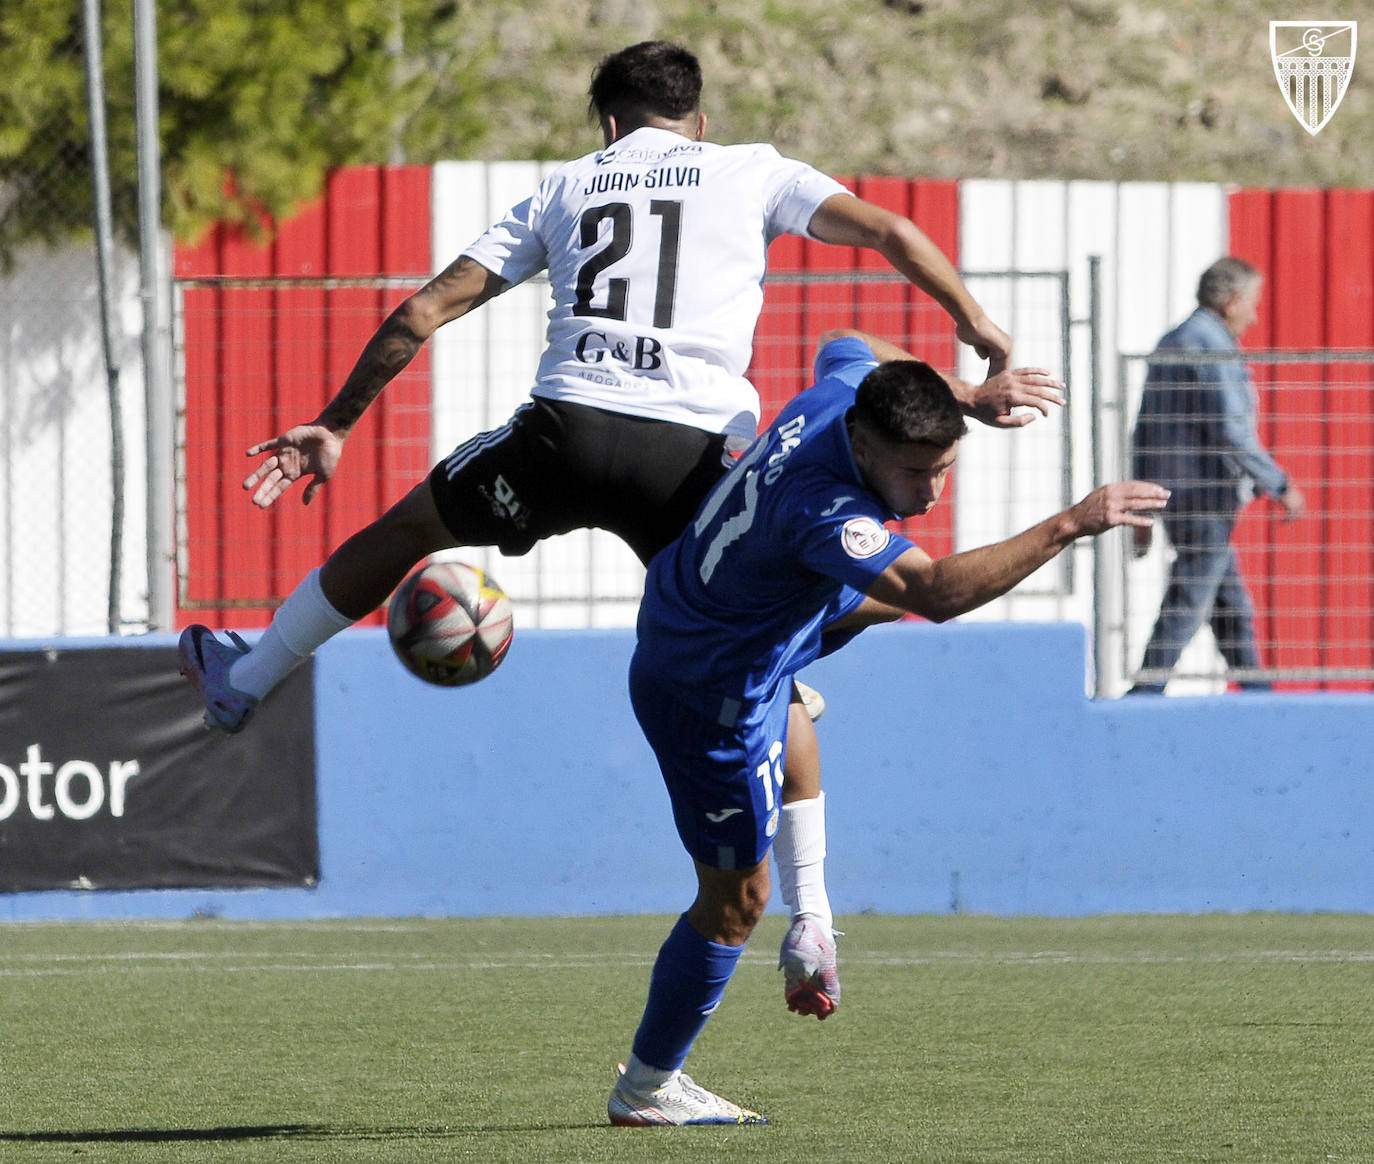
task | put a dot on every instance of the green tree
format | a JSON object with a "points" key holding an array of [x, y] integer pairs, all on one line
{"points": [[258, 99]]}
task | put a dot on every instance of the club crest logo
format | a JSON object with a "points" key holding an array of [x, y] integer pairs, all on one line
{"points": [[1313, 60]]}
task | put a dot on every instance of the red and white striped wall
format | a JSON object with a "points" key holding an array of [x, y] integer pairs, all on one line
{"points": [[251, 371]]}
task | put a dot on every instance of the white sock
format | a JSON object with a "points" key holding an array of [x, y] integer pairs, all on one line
{"points": [[302, 623], [639, 1074], [799, 850]]}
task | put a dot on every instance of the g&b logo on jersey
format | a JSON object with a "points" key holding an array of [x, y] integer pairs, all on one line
{"points": [[862, 537], [593, 347]]}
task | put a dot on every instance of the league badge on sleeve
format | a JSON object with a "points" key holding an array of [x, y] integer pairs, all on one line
{"points": [[863, 537]]}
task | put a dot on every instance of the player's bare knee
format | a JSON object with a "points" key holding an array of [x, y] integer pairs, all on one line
{"points": [[752, 909], [754, 891], [734, 926], [729, 903]]}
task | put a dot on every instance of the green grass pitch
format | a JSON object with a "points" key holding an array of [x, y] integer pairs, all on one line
{"points": [[1215, 1037]]}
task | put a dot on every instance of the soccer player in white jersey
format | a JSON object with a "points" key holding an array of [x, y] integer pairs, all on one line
{"points": [[791, 539], [655, 248]]}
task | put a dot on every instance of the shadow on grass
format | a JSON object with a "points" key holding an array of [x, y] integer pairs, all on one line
{"points": [[272, 1132]]}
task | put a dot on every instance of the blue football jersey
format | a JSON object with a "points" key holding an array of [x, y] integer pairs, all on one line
{"points": [[788, 540]]}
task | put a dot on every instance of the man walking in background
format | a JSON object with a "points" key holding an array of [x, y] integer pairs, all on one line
{"points": [[1197, 435]]}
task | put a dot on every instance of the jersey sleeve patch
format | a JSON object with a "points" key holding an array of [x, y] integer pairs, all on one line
{"points": [[862, 537]]}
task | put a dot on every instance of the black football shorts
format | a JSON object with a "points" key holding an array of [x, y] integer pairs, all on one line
{"points": [[558, 466]]}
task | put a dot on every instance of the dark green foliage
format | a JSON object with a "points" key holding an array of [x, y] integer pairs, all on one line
{"points": [[257, 102]]}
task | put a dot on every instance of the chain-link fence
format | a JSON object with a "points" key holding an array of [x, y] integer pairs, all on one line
{"points": [[69, 564], [254, 358], [56, 475], [1242, 588], [258, 355]]}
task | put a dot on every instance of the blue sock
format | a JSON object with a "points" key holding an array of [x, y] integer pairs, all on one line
{"points": [[688, 979]]}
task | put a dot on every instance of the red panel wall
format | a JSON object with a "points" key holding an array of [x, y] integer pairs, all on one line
{"points": [[1348, 524], [1313, 579], [259, 361], [300, 388]]}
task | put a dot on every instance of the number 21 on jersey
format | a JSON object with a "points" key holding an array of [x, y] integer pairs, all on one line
{"points": [[620, 216]]}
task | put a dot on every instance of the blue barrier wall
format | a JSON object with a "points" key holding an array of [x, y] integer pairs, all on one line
{"points": [[964, 769]]}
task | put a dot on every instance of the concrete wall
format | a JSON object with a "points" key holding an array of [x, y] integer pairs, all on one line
{"points": [[964, 769]]}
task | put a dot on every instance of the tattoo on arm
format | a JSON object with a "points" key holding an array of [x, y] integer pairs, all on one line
{"points": [[386, 354], [452, 293]]}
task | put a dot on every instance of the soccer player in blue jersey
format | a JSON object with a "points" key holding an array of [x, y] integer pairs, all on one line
{"points": [[792, 540]]}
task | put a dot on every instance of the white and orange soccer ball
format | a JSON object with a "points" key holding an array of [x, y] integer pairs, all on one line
{"points": [[450, 624]]}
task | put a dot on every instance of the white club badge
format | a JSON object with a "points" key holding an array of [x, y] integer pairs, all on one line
{"points": [[1312, 61]]}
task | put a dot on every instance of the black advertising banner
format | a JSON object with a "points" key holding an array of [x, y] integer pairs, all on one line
{"points": [[109, 779]]}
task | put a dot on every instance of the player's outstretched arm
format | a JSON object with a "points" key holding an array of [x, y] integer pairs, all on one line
{"points": [[848, 221], [314, 449], [944, 588]]}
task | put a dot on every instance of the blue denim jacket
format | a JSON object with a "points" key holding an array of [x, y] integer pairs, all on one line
{"points": [[1196, 431]]}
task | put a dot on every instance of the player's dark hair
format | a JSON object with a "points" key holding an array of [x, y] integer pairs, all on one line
{"points": [[1226, 277], [908, 402], [652, 78]]}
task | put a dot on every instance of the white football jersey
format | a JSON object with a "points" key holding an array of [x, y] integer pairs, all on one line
{"points": [[656, 247]]}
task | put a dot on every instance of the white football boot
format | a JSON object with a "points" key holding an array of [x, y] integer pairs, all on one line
{"points": [[811, 976], [677, 1101]]}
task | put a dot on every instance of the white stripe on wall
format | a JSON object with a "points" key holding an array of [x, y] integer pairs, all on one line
{"points": [[1153, 239]]}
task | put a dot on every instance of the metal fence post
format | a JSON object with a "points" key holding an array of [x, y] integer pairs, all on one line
{"points": [[1101, 569], [154, 291], [104, 262]]}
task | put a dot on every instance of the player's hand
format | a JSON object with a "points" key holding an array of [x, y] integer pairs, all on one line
{"points": [[992, 401], [988, 340], [1293, 502], [306, 449], [1131, 503]]}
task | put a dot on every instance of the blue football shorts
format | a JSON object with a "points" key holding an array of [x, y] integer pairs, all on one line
{"points": [[724, 779]]}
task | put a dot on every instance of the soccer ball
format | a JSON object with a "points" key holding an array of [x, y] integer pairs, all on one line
{"points": [[450, 624]]}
